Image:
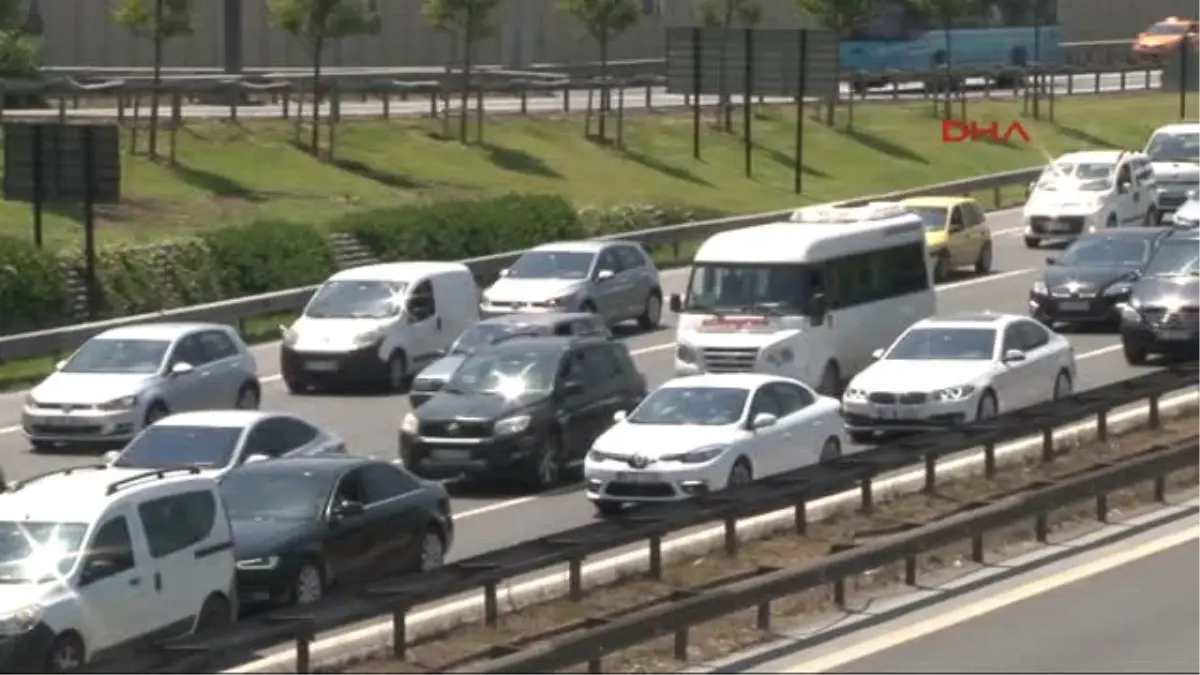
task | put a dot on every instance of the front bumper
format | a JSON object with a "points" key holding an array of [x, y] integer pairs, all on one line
{"points": [[82, 424], [257, 587], [929, 415], [1162, 335], [443, 458], [488, 310], [357, 366], [1095, 309], [1058, 226], [1171, 198], [614, 481]]}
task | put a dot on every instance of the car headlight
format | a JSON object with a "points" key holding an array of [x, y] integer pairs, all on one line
{"points": [[1118, 289], [31, 402], [601, 456], [20, 621], [511, 425], [410, 424], [954, 393], [1129, 313], [562, 300], [854, 395], [123, 403], [1038, 288], [269, 562], [685, 353], [290, 336], [697, 456], [367, 338]]}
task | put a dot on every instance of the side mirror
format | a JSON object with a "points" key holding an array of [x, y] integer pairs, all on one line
{"points": [[257, 457], [817, 307], [348, 509], [111, 456], [763, 420], [1051, 260], [1014, 356], [956, 227], [1193, 194], [604, 275], [58, 365], [1124, 187], [503, 273], [96, 568], [676, 303], [282, 329], [620, 416], [572, 388], [181, 368], [877, 354]]}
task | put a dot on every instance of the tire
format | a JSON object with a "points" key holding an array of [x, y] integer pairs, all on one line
{"points": [[1032, 242], [861, 437], [1152, 217], [1135, 354], [248, 397], [308, 586], [987, 407], [395, 373], [154, 413], [831, 380], [294, 386], [983, 261], [66, 654], [608, 508], [651, 317], [545, 472], [941, 268], [741, 474], [831, 450], [214, 615], [1062, 386], [1112, 221], [432, 554]]}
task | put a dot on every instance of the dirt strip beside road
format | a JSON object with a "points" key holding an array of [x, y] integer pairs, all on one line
{"points": [[460, 647]]}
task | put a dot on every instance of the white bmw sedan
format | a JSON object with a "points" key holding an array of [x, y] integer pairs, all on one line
{"points": [[708, 432], [957, 369]]}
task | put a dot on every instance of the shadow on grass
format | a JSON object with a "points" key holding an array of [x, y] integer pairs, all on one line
{"points": [[216, 184], [518, 161], [1083, 136], [662, 167], [384, 178], [883, 145], [785, 160]]}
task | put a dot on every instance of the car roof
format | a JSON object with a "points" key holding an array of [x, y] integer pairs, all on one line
{"points": [[215, 418], [578, 246], [1179, 128], [992, 320], [538, 318], [1093, 156], [408, 271], [326, 466], [730, 380], [166, 330], [81, 494], [934, 200], [544, 342]]}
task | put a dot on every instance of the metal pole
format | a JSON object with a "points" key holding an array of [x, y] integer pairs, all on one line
{"points": [[233, 37], [696, 92], [801, 85], [748, 91]]}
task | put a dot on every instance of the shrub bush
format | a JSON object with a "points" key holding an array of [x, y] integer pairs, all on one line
{"points": [[32, 286], [268, 255], [139, 279], [600, 221]]}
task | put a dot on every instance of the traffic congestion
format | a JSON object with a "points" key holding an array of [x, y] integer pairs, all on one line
{"points": [[175, 477]]}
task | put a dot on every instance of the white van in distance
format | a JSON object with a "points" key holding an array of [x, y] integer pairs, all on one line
{"points": [[378, 325], [808, 299]]}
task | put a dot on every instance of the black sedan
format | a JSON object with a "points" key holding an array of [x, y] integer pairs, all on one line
{"points": [[1094, 276], [302, 525], [1163, 312]]}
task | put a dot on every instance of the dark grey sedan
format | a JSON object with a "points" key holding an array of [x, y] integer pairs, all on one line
{"points": [[490, 331]]}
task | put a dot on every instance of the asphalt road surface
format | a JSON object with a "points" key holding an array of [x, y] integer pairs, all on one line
{"points": [[486, 521], [635, 98]]}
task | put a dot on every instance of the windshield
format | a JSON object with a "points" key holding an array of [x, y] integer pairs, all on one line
{"points": [[32, 551], [1174, 147], [552, 265], [356, 300], [711, 406], [103, 355], [258, 496], [506, 372], [737, 287], [1086, 175], [1106, 252], [1175, 258], [938, 344], [166, 446], [1167, 28], [934, 217], [484, 334]]}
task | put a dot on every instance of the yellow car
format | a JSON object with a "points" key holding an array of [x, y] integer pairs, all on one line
{"points": [[956, 234]]}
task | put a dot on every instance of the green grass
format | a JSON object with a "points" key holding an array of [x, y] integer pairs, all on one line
{"points": [[236, 172]]}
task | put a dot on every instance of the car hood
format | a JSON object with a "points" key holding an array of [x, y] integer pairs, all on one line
{"points": [[1190, 211], [1176, 172], [1064, 197], [261, 538], [655, 440], [88, 388], [16, 596], [334, 334], [447, 406], [895, 375], [443, 368], [1084, 279], [1166, 290], [532, 290]]}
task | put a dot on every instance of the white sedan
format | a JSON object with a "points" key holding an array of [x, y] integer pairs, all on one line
{"points": [[707, 432], [957, 369]]}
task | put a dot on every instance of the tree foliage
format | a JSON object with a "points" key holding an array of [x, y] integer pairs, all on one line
{"points": [[20, 53], [468, 21], [140, 18], [944, 13], [727, 14], [839, 16], [604, 20]]}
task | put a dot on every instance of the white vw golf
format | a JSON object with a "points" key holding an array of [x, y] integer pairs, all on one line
{"points": [[957, 369], [708, 432]]}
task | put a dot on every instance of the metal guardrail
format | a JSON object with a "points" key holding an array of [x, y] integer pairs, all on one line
{"points": [[60, 341], [675, 616], [398, 598]]}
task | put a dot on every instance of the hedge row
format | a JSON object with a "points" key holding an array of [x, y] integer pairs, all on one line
{"points": [[263, 256]]}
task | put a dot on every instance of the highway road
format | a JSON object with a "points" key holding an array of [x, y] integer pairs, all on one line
{"points": [[635, 98], [489, 520]]}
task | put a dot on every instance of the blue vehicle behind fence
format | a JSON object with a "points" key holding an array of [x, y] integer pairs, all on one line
{"points": [[900, 36]]}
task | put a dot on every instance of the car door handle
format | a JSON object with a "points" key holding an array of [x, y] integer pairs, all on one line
{"points": [[157, 581], [136, 581]]}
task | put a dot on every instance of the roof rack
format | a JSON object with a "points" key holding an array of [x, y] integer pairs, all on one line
{"points": [[157, 473], [18, 484]]}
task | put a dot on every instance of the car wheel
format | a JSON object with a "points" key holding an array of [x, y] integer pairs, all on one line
{"points": [[155, 412], [861, 436], [396, 372], [309, 584], [831, 380], [1062, 385], [66, 654], [607, 507], [214, 615], [433, 551], [652, 316], [941, 268], [831, 451], [1151, 217], [983, 262], [987, 406], [1032, 242], [1112, 221], [1135, 354], [544, 473], [294, 386], [248, 398], [740, 474]]}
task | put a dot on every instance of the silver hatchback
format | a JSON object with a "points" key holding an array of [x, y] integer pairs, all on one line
{"points": [[615, 279], [125, 379]]}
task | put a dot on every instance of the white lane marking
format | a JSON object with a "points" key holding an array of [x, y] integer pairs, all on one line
{"points": [[961, 615], [1007, 231]]}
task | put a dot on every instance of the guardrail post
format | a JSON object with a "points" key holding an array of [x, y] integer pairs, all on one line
{"points": [[930, 473], [1041, 527], [595, 666], [1160, 489], [1102, 507], [763, 619], [1155, 420], [731, 539], [989, 459], [656, 557], [868, 497], [491, 609], [910, 570], [1102, 425], [681, 644], [399, 632], [304, 637], [575, 579], [801, 515], [1048, 445], [996, 198], [977, 548], [839, 593]]}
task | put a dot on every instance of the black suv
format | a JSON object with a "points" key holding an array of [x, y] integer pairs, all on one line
{"points": [[1163, 312], [525, 408]]}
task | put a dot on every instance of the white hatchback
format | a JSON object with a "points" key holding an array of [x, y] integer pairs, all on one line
{"points": [[708, 432], [957, 369]]}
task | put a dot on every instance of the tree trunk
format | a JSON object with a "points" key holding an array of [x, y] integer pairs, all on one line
{"points": [[465, 95], [318, 47], [158, 52], [604, 93], [831, 103]]}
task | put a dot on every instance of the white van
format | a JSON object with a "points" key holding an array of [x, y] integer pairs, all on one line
{"points": [[1173, 151], [378, 324], [808, 299]]}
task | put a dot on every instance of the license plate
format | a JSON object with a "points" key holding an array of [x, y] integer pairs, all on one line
{"points": [[894, 414], [1060, 227], [1171, 334], [320, 366], [452, 455], [638, 477], [1074, 305]]}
